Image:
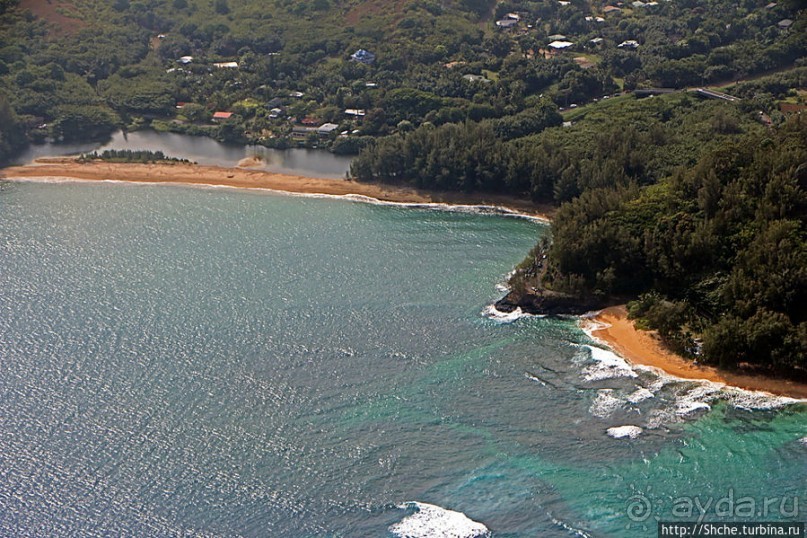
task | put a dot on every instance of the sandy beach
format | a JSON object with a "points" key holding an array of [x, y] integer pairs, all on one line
{"points": [[637, 346], [643, 347], [192, 174]]}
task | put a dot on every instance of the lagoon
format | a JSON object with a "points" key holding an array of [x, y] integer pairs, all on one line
{"points": [[206, 151]]}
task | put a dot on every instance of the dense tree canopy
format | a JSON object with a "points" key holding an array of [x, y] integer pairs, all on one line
{"points": [[11, 133], [434, 62], [721, 249]]}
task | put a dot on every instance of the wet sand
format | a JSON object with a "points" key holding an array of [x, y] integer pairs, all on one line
{"points": [[613, 327], [192, 174]]}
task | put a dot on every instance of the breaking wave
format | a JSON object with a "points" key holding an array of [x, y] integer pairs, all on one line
{"points": [[607, 365], [491, 312], [432, 521], [605, 404], [624, 432], [679, 398]]}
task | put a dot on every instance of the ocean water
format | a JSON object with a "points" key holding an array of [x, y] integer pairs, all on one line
{"points": [[181, 361]]}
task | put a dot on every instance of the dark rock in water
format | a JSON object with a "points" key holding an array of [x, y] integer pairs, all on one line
{"points": [[550, 303]]}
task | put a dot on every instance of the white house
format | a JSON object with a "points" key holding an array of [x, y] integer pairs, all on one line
{"points": [[560, 45]]}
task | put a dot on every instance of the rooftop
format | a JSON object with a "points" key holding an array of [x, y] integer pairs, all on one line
{"points": [[561, 44], [475, 78], [363, 56], [326, 128], [506, 23]]}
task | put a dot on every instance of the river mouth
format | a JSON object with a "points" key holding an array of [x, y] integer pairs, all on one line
{"points": [[206, 151]]}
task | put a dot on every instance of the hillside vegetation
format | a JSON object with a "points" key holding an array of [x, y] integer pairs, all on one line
{"points": [[105, 64], [716, 251], [693, 208]]}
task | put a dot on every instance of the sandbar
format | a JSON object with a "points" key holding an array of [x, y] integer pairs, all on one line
{"points": [[193, 174]]}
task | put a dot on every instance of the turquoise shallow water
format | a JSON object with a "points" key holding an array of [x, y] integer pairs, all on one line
{"points": [[180, 361]]}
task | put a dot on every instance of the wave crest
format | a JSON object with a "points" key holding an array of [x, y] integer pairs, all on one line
{"points": [[432, 521], [491, 312], [624, 432], [608, 365]]}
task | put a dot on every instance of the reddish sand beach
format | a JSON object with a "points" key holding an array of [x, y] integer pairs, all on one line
{"points": [[644, 347], [192, 174], [637, 346]]}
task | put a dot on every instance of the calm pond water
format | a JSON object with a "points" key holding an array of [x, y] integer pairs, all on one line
{"points": [[203, 150]]}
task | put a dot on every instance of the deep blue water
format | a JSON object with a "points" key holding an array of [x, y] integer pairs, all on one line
{"points": [[208, 362]]}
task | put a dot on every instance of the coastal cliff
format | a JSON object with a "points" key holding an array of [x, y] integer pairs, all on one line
{"points": [[529, 292], [546, 302]]}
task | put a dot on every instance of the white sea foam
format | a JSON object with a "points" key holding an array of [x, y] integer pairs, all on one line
{"points": [[639, 395], [491, 312], [480, 209], [605, 404], [699, 398], [503, 286], [692, 396], [608, 365], [755, 400], [695, 399], [47, 179], [431, 521], [533, 377], [687, 407], [572, 530], [589, 325], [624, 432]]}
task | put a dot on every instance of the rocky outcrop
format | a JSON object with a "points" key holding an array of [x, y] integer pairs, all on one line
{"points": [[544, 302]]}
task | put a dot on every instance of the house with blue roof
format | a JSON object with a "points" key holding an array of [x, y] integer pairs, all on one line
{"points": [[363, 56]]}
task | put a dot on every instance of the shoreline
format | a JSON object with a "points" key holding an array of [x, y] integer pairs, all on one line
{"points": [[612, 327], [249, 178], [609, 326]]}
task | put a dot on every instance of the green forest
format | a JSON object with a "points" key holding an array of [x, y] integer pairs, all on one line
{"points": [[715, 252], [691, 207], [79, 70]]}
